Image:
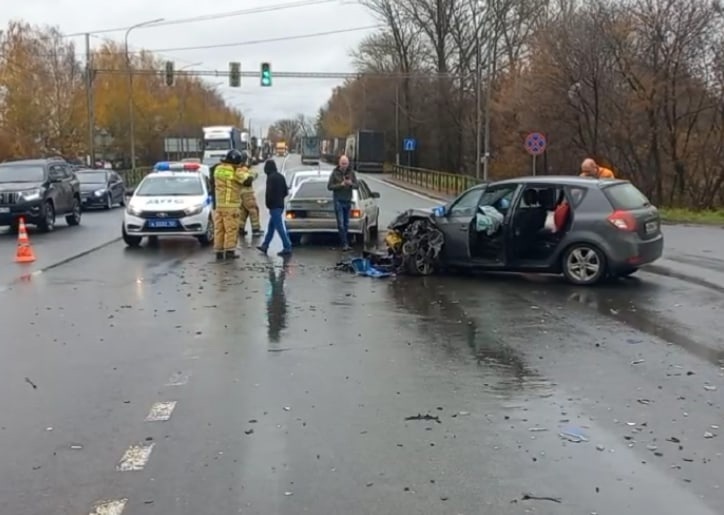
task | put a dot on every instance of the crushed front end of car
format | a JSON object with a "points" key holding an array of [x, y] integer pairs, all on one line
{"points": [[414, 243]]}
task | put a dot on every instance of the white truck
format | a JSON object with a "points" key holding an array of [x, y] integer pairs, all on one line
{"points": [[219, 139]]}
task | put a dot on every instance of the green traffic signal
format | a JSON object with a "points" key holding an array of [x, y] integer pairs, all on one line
{"points": [[266, 78]]}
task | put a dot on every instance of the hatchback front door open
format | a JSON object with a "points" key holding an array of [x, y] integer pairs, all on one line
{"points": [[456, 224]]}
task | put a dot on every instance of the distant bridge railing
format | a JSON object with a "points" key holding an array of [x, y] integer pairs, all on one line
{"points": [[433, 180]]}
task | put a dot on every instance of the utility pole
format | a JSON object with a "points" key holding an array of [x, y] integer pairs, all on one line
{"points": [[492, 54], [478, 108], [89, 100], [397, 123]]}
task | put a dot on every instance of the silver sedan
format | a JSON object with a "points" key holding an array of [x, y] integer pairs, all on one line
{"points": [[310, 210]]}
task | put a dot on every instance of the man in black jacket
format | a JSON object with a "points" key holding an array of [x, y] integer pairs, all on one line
{"points": [[342, 181], [276, 192]]}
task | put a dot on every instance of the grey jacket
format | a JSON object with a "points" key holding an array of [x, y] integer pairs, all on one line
{"points": [[338, 188]]}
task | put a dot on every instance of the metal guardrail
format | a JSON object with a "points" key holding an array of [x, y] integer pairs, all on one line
{"points": [[132, 177], [441, 182]]}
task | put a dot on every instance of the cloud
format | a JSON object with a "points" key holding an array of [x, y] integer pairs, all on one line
{"points": [[263, 105]]}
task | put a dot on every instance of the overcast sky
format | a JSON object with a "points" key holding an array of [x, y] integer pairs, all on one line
{"points": [[284, 99]]}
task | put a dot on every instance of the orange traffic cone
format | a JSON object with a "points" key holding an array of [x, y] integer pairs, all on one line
{"points": [[25, 252]]}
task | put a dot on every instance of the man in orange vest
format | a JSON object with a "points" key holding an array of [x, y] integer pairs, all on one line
{"points": [[589, 168]]}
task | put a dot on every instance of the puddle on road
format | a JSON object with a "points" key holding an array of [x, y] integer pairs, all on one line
{"points": [[445, 325]]}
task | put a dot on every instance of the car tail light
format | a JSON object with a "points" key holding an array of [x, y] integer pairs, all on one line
{"points": [[355, 213], [623, 220], [291, 215]]}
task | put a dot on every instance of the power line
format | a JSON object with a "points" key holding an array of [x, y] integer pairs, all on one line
{"points": [[209, 17], [255, 41]]}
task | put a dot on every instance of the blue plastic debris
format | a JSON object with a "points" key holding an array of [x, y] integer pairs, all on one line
{"points": [[363, 266]]}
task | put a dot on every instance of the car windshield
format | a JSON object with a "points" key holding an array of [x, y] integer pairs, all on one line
{"points": [[313, 189], [217, 144], [21, 173], [92, 177], [626, 196], [170, 187]]}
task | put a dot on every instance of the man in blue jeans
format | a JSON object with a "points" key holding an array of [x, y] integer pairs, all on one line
{"points": [[276, 192], [342, 181]]}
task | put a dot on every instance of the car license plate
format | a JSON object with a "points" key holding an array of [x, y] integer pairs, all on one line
{"points": [[651, 227], [162, 224], [320, 214], [4, 209]]}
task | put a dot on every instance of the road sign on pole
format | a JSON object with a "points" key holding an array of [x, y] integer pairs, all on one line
{"points": [[409, 144], [535, 143]]}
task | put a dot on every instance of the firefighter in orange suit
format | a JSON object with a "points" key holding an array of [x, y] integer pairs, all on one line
{"points": [[228, 177], [249, 208]]}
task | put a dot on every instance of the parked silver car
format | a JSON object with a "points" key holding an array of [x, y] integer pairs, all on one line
{"points": [[300, 176], [310, 210]]}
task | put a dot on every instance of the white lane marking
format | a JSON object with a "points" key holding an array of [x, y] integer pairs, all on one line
{"points": [[114, 507], [135, 457], [403, 190], [161, 411], [178, 379]]}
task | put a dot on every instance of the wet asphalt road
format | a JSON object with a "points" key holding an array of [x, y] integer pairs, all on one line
{"points": [[292, 382]]}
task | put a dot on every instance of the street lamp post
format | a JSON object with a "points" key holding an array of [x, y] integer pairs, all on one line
{"points": [[130, 89]]}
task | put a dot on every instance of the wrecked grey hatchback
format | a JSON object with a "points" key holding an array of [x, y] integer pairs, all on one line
{"points": [[586, 229]]}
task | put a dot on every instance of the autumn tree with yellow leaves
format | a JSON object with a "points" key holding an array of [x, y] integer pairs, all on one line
{"points": [[43, 99]]}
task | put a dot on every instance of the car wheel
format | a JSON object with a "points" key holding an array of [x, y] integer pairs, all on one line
{"points": [[47, 221], [131, 241], [208, 238], [74, 217], [109, 201], [584, 264]]}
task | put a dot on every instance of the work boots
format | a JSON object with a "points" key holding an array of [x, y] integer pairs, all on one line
{"points": [[219, 256], [230, 254]]}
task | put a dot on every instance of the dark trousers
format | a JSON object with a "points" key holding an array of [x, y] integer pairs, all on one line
{"points": [[276, 224], [342, 209]]}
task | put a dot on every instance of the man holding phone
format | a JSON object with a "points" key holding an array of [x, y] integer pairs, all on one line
{"points": [[342, 181]]}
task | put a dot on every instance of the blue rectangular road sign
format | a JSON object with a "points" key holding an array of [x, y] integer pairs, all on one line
{"points": [[409, 144]]}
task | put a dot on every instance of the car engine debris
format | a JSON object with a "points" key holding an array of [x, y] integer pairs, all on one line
{"points": [[415, 243]]}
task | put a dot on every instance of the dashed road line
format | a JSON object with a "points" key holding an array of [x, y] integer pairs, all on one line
{"points": [[161, 411], [178, 379], [114, 507], [135, 457]]}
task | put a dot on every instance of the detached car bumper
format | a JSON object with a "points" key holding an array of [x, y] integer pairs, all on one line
{"points": [[321, 225], [194, 225], [32, 212]]}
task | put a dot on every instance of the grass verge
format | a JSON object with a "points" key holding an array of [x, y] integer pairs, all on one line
{"points": [[678, 215]]}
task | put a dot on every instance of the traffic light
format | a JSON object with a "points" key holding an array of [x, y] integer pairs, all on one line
{"points": [[266, 79], [234, 75], [169, 73]]}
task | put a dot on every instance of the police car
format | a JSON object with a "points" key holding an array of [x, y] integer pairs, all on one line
{"points": [[173, 200]]}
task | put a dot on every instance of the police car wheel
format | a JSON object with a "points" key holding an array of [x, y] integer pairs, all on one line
{"points": [[208, 238], [131, 241]]}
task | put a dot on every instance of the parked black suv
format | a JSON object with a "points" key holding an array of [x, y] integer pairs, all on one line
{"points": [[38, 190]]}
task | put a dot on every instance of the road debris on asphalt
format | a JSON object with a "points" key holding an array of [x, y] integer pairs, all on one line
{"points": [[427, 416], [531, 497], [573, 434]]}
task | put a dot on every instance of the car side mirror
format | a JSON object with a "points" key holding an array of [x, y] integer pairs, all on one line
{"points": [[440, 211], [375, 194]]}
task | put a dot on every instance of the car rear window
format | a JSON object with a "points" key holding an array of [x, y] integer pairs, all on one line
{"points": [[316, 189], [626, 196]]}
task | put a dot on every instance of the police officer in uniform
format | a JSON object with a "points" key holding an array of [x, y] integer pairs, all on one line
{"points": [[249, 207], [228, 177]]}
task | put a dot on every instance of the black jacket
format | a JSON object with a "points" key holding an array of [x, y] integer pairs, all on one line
{"points": [[276, 190], [341, 191]]}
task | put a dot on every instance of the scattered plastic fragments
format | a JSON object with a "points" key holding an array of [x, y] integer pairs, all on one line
{"points": [[573, 434]]}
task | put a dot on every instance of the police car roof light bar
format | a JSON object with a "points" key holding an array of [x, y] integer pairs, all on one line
{"points": [[165, 166]]}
